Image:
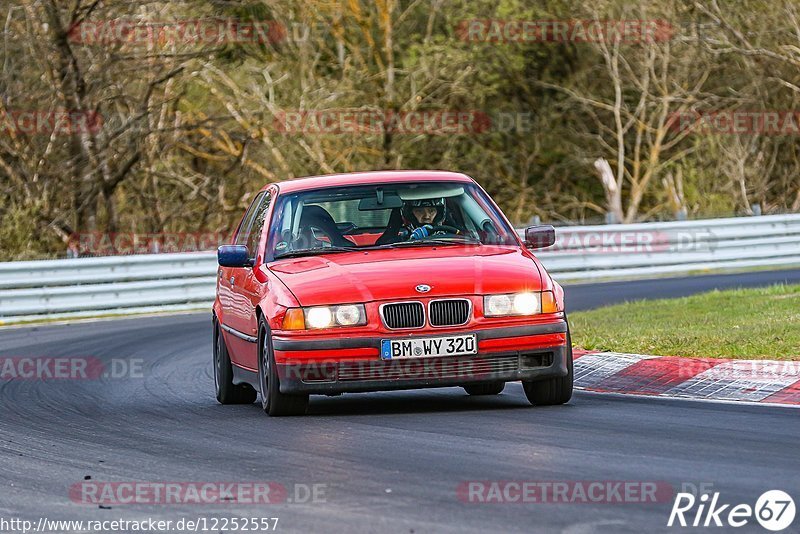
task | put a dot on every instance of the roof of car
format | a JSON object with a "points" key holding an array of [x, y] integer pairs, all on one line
{"points": [[365, 178]]}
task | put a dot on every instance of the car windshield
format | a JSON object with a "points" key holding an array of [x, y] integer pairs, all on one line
{"points": [[396, 215]]}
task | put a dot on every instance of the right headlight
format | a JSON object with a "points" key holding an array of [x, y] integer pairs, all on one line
{"points": [[521, 304]]}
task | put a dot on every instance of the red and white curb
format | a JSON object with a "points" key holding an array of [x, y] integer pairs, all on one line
{"points": [[767, 381]]}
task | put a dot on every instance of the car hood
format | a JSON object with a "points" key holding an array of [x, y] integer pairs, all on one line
{"points": [[395, 273]]}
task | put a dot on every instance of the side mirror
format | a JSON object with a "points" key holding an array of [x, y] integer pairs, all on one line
{"points": [[540, 236], [234, 256]]}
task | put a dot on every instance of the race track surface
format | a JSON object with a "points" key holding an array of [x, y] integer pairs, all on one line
{"points": [[391, 462]]}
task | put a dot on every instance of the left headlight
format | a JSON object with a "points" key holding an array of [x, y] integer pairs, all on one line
{"points": [[526, 303], [318, 317]]}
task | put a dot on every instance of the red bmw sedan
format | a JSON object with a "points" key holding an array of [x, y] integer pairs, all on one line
{"points": [[383, 281]]}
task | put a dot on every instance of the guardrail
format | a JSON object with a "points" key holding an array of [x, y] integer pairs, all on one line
{"points": [[111, 285], [166, 282], [670, 248]]}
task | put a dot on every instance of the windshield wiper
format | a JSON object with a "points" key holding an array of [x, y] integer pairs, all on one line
{"points": [[453, 239], [315, 252], [427, 241]]}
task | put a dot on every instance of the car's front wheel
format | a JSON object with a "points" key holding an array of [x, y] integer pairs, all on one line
{"points": [[228, 392], [552, 391], [273, 401], [486, 388]]}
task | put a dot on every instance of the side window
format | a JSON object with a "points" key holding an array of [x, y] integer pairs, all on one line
{"points": [[244, 227], [258, 225]]}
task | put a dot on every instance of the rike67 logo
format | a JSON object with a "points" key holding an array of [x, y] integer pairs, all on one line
{"points": [[774, 510]]}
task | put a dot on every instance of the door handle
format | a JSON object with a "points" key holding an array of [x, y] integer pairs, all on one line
{"points": [[233, 280]]}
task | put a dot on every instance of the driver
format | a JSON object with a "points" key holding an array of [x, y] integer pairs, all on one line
{"points": [[420, 216], [419, 219]]}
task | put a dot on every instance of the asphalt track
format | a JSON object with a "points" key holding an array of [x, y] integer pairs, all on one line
{"points": [[391, 462]]}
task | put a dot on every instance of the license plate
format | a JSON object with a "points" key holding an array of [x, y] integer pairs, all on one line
{"points": [[429, 347]]}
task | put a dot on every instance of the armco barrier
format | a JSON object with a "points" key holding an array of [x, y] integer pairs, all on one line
{"points": [[165, 282], [109, 285], [653, 249]]}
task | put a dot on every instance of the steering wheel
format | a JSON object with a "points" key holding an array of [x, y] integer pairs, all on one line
{"points": [[446, 229], [437, 229]]}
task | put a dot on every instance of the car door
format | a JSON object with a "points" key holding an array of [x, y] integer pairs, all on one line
{"points": [[232, 309], [248, 289], [226, 275]]}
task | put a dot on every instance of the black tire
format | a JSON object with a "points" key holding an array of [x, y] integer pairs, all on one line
{"points": [[552, 391], [273, 401], [486, 388], [228, 392]]}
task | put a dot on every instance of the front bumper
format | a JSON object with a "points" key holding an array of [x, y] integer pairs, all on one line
{"points": [[339, 365]]}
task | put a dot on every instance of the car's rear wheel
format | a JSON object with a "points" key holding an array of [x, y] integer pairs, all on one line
{"points": [[486, 388], [228, 392], [273, 401], [552, 391]]}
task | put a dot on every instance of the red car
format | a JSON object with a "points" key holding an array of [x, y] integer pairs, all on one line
{"points": [[383, 281]]}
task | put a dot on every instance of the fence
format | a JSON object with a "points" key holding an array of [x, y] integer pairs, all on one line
{"points": [[168, 282]]}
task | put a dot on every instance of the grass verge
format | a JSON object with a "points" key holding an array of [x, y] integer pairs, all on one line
{"points": [[758, 323]]}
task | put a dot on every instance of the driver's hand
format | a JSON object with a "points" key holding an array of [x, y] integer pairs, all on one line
{"points": [[421, 232]]}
